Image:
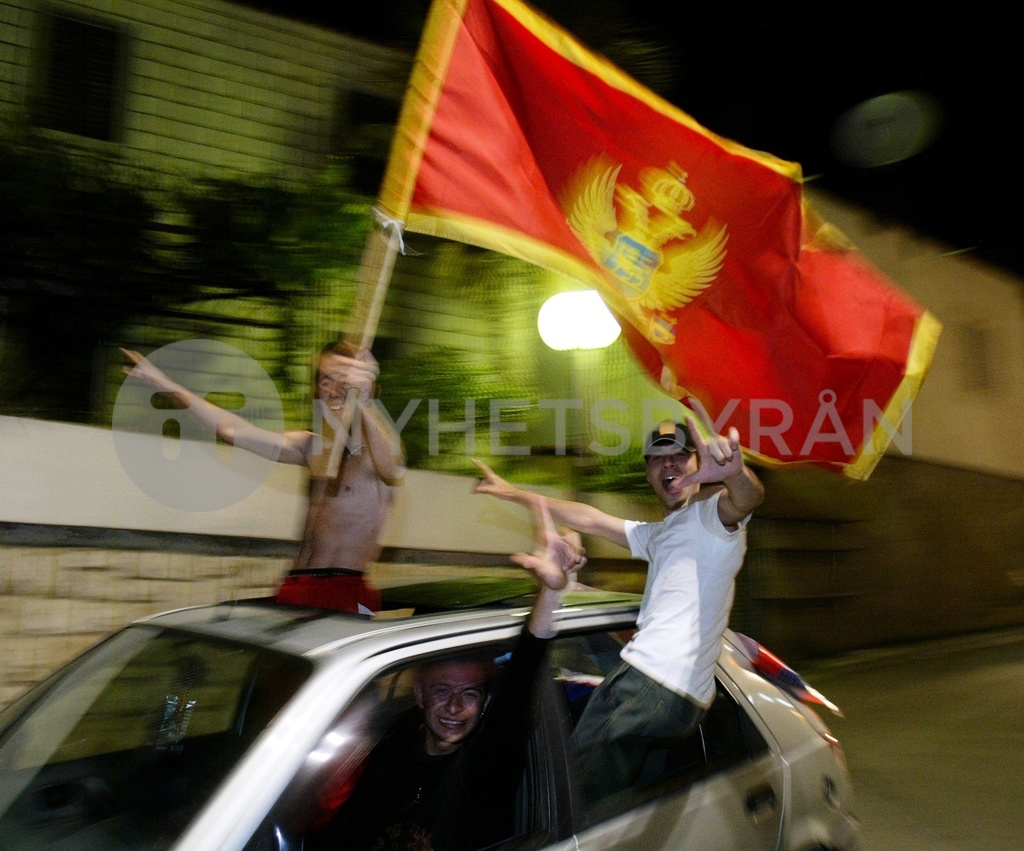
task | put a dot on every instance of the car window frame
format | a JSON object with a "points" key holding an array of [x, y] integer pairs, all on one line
{"points": [[135, 721], [536, 823]]}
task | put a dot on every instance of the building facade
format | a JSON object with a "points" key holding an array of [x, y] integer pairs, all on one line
{"points": [[932, 545]]}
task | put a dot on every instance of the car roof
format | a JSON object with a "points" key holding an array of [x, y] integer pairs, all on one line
{"points": [[422, 610]]}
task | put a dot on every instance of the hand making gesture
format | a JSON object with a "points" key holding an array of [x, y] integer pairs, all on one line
{"points": [[552, 561], [719, 456], [145, 371], [494, 485], [720, 459]]}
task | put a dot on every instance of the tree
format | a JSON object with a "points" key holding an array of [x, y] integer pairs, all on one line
{"points": [[88, 247]]}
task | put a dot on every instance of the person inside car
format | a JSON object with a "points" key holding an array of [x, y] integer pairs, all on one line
{"points": [[346, 512], [445, 777], [665, 681]]}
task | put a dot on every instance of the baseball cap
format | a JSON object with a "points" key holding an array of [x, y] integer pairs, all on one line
{"points": [[667, 439]]}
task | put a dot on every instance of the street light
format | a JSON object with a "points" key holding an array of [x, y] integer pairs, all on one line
{"points": [[577, 319]]}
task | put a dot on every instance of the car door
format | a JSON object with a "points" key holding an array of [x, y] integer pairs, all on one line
{"points": [[721, 787]]}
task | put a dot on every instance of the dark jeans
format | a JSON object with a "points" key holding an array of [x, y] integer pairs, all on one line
{"points": [[626, 710]]}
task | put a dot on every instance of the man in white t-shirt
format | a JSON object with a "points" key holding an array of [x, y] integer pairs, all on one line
{"points": [[666, 680]]}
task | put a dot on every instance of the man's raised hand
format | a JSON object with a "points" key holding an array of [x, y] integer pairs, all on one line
{"points": [[144, 370], [720, 456], [550, 560], [494, 485]]}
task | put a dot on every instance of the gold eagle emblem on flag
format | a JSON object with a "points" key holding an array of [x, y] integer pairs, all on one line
{"points": [[640, 237]]}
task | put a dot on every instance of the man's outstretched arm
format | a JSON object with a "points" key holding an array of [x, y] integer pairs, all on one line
{"points": [[288, 447], [576, 515]]}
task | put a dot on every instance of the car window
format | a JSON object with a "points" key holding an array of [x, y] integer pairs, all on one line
{"points": [[361, 765], [332, 769], [133, 738], [725, 737], [581, 661]]}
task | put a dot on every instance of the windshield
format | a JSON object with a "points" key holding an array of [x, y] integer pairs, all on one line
{"points": [[122, 748]]}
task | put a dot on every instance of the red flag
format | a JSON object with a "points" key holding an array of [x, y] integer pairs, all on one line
{"points": [[516, 138]]}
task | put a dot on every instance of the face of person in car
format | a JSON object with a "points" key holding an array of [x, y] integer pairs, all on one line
{"points": [[452, 696]]}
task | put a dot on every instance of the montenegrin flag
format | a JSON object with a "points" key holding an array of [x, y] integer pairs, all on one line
{"points": [[515, 138]]}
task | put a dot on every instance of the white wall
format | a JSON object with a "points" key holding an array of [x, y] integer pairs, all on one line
{"points": [[71, 475], [960, 417]]}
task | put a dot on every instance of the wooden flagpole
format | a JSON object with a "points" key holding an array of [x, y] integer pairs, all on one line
{"points": [[378, 262]]}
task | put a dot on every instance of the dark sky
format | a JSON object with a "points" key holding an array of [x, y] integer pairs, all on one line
{"points": [[784, 84]]}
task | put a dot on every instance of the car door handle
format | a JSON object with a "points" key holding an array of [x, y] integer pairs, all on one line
{"points": [[761, 802]]}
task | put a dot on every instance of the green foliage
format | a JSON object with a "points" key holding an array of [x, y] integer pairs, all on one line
{"points": [[446, 378], [263, 239], [623, 474], [75, 262], [89, 247]]}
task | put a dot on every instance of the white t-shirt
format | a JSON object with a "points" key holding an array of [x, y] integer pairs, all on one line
{"points": [[692, 564]]}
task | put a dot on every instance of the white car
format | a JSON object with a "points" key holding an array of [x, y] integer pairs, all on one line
{"points": [[241, 726]]}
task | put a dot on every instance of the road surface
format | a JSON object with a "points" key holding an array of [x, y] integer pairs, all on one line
{"points": [[934, 735]]}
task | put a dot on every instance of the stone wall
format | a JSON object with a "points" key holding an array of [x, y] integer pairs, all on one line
{"points": [[56, 602]]}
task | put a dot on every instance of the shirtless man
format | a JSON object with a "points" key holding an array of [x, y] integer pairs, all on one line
{"points": [[346, 513]]}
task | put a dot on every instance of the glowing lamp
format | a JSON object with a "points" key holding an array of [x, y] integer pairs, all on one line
{"points": [[577, 319]]}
